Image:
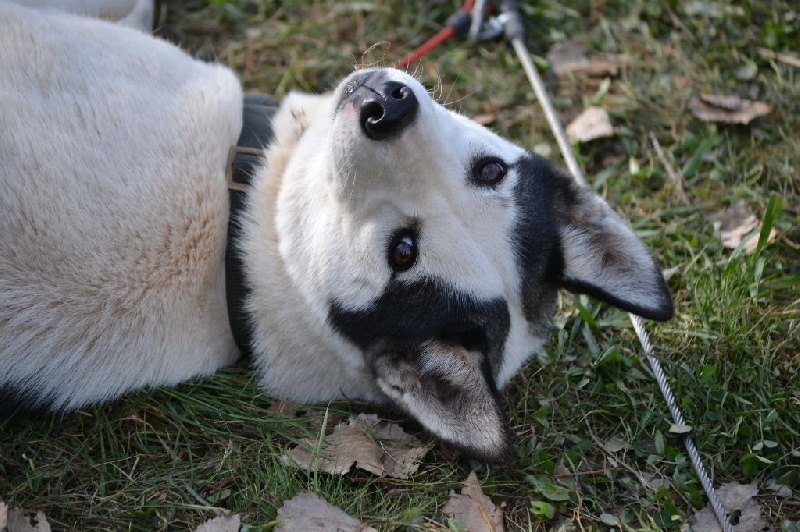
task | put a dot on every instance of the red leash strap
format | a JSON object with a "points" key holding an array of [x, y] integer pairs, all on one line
{"points": [[459, 22]]}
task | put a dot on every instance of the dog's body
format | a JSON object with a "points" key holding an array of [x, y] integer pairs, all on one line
{"points": [[393, 251], [137, 14]]}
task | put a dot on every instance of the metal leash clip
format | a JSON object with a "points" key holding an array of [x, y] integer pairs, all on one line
{"points": [[488, 29]]}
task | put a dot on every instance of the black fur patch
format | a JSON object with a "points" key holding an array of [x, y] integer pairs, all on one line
{"points": [[424, 310], [257, 133], [16, 405], [536, 239]]}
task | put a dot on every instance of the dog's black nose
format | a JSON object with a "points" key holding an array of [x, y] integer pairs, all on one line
{"points": [[387, 110]]}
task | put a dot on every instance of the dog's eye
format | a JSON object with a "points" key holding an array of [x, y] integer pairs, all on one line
{"points": [[489, 172], [403, 251]]}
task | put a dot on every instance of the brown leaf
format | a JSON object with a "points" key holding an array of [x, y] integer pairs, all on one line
{"points": [[711, 9], [308, 418], [787, 59], [727, 109], [485, 119], [381, 448], [569, 58], [3, 516], [733, 497], [223, 523], [286, 408], [779, 489], [473, 509], [18, 521], [735, 224], [591, 124], [560, 470], [681, 82], [308, 511], [728, 103]]}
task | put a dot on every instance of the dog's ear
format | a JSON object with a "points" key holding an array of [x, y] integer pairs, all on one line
{"points": [[601, 256], [447, 390]]}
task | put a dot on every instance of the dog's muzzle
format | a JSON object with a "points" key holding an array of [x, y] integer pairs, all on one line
{"points": [[385, 107]]}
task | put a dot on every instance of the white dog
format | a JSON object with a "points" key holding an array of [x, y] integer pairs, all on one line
{"points": [[386, 249]]}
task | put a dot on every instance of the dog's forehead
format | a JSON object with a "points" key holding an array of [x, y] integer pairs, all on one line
{"points": [[436, 157], [464, 134]]}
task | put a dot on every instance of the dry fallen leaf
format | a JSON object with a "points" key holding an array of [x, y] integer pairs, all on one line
{"points": [[381, 448], [727, 109], [286, 408], [308, 511], [616, 444], [3, 516], [18, 521], [308, 418], [779, 489], [560, 470], [569, 58], [737, 222], [223, 523], [473, 509], [722, 101], [734, 497], [591, 124], [485, 119], [787, 59], [711, 9]]}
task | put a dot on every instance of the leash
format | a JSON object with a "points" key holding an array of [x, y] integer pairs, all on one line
{"points": [[514, 31], [458, 23], [243, 160]]}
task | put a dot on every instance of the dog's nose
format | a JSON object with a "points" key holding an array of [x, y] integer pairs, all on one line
{"points": [[387, 110]]}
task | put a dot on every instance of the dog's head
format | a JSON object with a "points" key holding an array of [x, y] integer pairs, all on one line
{"points": [[436, 248]]}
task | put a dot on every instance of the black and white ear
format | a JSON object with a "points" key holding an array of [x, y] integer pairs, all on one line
{"points": [[602, 257], [445, 388]]}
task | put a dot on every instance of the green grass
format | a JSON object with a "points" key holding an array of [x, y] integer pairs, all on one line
{"points": [[592, 429]]}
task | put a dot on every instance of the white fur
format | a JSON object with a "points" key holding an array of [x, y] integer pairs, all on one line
{"points": [[137, 14], [113, 208], [299, 357]]}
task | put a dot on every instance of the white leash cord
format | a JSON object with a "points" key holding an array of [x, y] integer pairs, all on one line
{"points": [[514, 31]]}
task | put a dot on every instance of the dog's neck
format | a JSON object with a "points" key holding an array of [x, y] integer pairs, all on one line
{"points": [[243, 160]]}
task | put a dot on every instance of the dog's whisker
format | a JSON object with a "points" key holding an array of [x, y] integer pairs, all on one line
{"points": [[417, 71], [450, 92], [463, 98]]}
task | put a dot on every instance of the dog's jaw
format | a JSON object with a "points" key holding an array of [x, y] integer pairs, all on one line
{"points": [[298, 358]]}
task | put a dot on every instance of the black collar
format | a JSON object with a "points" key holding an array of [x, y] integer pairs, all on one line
{"points": [[243, 160]]}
